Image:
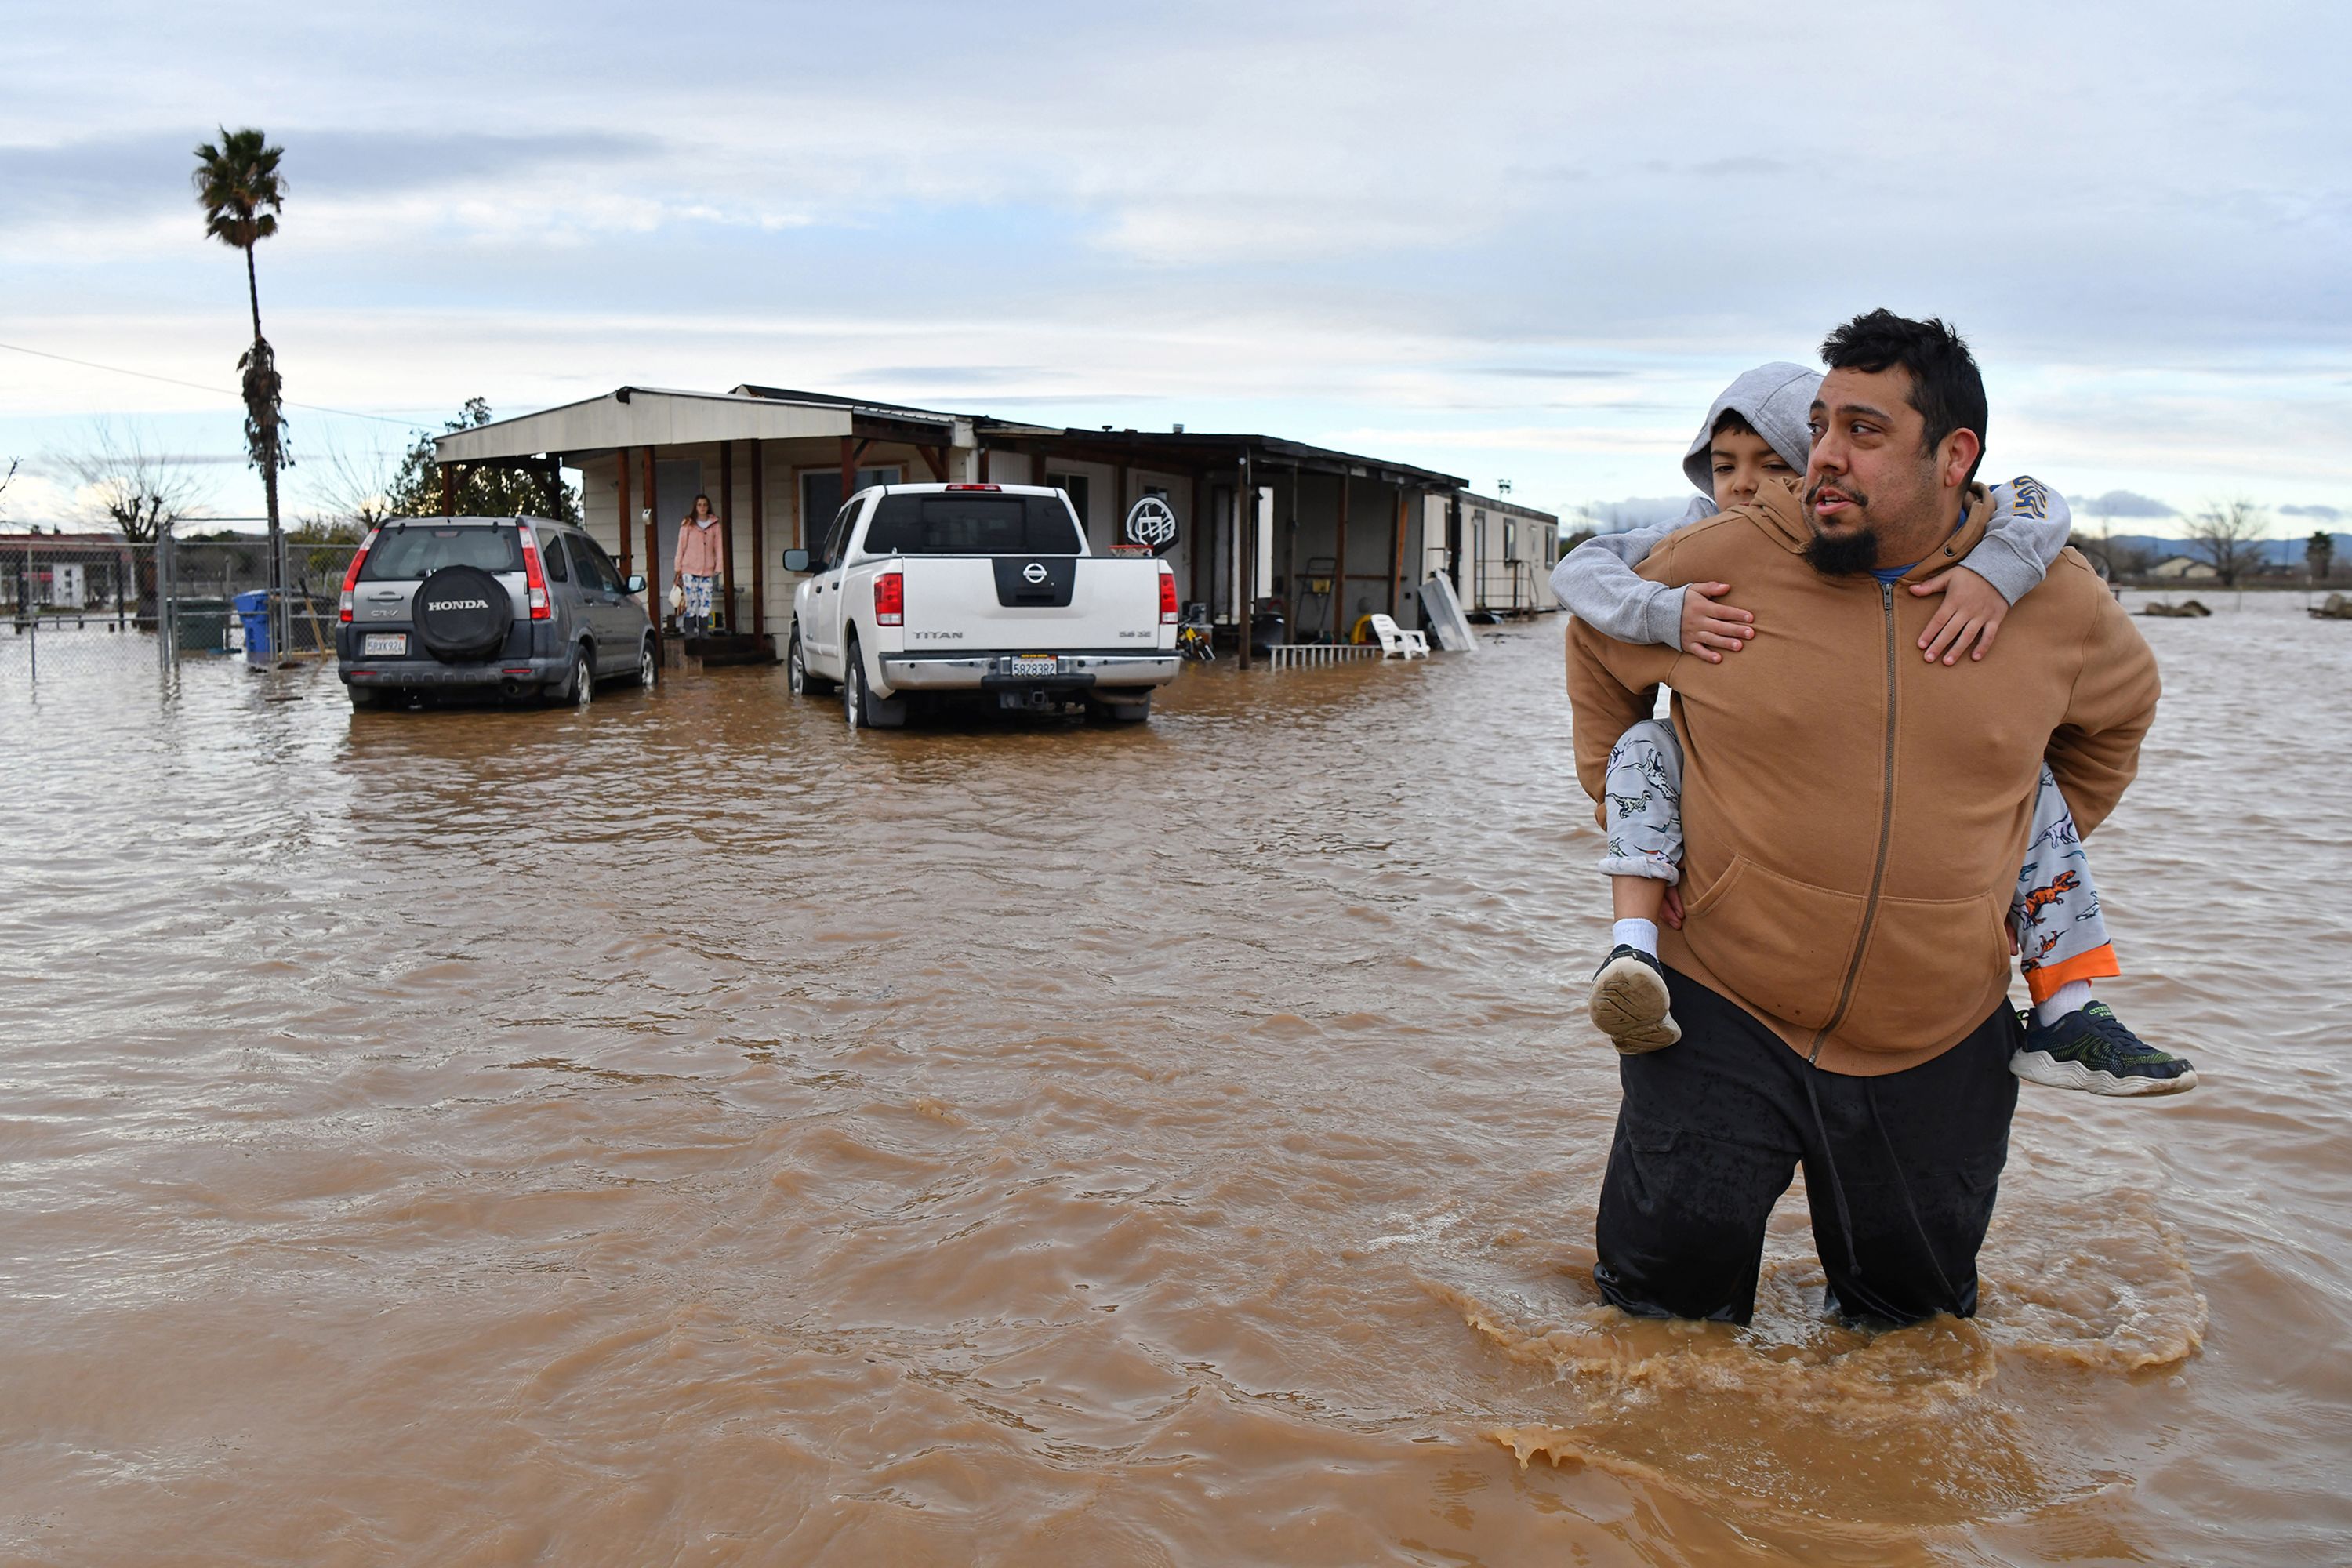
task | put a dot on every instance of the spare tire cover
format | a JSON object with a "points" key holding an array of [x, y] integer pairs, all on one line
{"points": [[463, 612]]}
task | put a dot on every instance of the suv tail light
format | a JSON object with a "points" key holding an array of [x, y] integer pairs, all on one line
{"points": [[352, 573], [532, 576], [890, 599], [1168, 611]]}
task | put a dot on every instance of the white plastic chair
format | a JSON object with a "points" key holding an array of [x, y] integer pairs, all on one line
{"points": [[1396, 642]]}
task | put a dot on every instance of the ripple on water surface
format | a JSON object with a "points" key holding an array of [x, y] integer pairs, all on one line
{"points": [[687, 1131]]}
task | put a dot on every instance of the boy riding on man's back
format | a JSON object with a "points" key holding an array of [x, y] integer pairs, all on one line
{"points": [[1757, 433]]}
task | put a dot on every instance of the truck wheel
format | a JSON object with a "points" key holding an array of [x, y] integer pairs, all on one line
{"points": [[860, 706], [796, 669], [1104, 710]]}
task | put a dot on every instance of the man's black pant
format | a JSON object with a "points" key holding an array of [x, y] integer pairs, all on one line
{"points": [[1900, 1170]]}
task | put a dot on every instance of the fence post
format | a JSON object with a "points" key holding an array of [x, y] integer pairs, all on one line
{"points": [[33, 621], [166, 632]]}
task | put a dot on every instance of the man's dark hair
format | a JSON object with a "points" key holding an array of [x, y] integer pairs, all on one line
{"points": [[1945, 386]]}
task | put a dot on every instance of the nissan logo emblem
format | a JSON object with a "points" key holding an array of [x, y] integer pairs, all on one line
{"points": [[1035, 572]]}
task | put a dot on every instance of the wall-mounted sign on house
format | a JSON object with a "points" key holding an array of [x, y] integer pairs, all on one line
{"points": [[1151, 526]]}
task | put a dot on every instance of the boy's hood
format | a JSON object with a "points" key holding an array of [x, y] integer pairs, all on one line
{"points": [[1776, 399]]}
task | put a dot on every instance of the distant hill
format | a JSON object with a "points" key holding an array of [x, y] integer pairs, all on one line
{"points": [[2279, 551]]}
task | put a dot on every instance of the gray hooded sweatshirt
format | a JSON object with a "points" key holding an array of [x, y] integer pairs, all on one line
{"points": [[1597, 582]]}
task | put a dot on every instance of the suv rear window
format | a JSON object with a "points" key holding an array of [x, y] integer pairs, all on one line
{"points": [[404, 554], [975, 523]]}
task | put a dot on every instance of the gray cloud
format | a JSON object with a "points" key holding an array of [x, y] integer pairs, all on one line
{"points": [[1548, 372], [2127, 503], [2324, 514], [1637, 511], [114, 176]]}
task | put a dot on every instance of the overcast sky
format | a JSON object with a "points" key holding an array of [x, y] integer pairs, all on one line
{"points": [[1515, 242]]}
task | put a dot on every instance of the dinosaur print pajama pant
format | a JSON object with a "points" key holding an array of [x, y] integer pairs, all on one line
{"points": [[2055, 914]]}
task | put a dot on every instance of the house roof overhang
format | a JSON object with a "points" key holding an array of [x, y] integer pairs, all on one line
{"points": [[656, 417], [1191, 452]]}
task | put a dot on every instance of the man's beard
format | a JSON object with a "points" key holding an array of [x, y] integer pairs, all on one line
{"points": [[1841, 554]]}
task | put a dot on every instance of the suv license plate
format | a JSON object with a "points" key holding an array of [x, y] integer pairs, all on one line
{"points": [[378, 643], [1035, 665]]}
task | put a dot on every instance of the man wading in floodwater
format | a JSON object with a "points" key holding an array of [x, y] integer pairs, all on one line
{"points": [[1853, 821]]}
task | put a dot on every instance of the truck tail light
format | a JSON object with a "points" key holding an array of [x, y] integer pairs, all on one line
{"points": [[975, 486], [890, 599], [1168, 611], [352, 573], [535, 579]]}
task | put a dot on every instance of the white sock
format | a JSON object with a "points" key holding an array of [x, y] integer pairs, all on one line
{"points": [[1642, 934], [2065, 999]]}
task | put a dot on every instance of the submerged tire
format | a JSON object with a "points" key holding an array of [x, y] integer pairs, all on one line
{"points": [[1125, 710], [804, 681], [860, 706]]}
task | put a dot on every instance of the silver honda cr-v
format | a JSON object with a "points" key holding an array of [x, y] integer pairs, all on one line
{"points": [[515, 606]]}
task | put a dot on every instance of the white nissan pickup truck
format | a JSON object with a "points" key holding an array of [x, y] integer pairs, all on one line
{"points": [[982, 590]]}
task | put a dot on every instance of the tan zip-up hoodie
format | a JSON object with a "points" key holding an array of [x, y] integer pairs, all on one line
{"points": [[1855, 816]]}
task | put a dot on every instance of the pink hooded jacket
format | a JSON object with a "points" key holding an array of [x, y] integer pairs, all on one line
{"points": [[698, 549]]}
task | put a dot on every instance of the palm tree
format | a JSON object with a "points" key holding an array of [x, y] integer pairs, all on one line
{"points": [[239, 187]]}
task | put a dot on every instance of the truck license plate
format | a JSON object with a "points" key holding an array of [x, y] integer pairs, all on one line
{"points": [[383, 642], [1033, 665]]}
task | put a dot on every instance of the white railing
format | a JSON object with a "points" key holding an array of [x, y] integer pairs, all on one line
{"points": [[1299, 655]]}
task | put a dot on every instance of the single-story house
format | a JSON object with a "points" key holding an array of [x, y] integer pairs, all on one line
{"points": [[1326, 536], [2183, 569]]}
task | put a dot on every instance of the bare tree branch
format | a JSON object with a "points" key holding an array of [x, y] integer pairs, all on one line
{"points": [[2229, 533], [129, 486], [350, 493]]}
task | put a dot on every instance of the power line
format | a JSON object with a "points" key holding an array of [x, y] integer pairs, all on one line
{"points": [[199, 386]]}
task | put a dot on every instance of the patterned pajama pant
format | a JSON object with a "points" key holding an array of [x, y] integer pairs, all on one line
{"points": [[696, 610], [2061, 935]]}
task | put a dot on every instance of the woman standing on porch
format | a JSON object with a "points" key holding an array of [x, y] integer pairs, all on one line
{"points": [[695, 567]]}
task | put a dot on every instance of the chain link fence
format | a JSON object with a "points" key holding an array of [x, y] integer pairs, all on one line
{"points": [[85, 605]]}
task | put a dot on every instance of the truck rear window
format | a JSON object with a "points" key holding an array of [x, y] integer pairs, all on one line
{"points": [[419, 551], [972, 525]]}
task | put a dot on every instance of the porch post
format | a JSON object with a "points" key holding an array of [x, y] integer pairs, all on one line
{"points": [[1245, 554], [1193, 527], [653, 546], [448, 489], [1396, 552], [759, 542], [1119, 509], [1339, 561], [727, 529], [848, 469], [628, 555]]}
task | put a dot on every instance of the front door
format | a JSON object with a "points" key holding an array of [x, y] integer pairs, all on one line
{"points": [[675, 484]]}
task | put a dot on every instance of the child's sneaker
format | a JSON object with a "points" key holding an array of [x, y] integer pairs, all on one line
{"points": [[2089, 1049], [1629, 1002]]}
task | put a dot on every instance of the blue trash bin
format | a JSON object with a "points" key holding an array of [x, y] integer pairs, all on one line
{"points": [[253, 613]]}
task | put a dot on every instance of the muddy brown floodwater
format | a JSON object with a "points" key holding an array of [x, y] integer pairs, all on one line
{"points": [[687, 1132]]}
